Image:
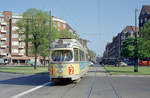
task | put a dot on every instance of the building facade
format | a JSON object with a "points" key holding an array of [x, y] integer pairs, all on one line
{"points": [[113, 49], [11, 43], [12, 46], [144, 15]]}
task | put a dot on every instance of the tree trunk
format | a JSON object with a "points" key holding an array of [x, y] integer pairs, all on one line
{"points": [[44, 61], [35, 54]]}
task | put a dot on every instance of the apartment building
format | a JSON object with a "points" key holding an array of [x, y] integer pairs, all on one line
{"points": [[12, 46], [61, 25], [144, 15], [112, 49]]}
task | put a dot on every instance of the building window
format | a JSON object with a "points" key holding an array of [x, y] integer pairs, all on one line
{"points": [[22, 51], [1, 19], [2, 28], [58, 24], [145, 19], [2, 35], [141, 21], [15, 43], [14, 20], [64, 25], [14, 28], [14, 35], [8, 17], [14, 50], [2, 51]]}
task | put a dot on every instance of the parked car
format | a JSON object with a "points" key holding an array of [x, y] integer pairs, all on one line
{"points": [[92, 63], [2, 61], [32, 62], [123, 64]]}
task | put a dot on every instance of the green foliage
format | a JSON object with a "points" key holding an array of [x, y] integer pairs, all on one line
{"points": [[35, 27], [91, 53], [128, 48], [24, 69], [145, 39], [127, 70]]}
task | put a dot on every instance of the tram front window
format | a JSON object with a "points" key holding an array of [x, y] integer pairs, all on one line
{"points": [[62, 55]]}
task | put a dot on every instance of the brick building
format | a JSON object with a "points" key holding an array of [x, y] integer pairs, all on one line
{"points": [[112, 49], [144, 15], [11, 43], [12, 47]]}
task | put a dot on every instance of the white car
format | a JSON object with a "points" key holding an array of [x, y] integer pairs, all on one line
{"points": [[123, 64]]}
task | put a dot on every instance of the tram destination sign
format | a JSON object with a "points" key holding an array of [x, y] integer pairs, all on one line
{"points": [[61, 46]]}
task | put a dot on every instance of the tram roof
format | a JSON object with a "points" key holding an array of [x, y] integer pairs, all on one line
{"points": [[65, 43]]}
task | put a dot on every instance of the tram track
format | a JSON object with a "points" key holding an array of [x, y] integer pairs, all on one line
{"points": [[74, 84], [92, 84], [109, 79], [115, 90], [68, 89]]}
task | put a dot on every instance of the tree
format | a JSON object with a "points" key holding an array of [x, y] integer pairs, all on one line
{"points": [[145, 38], [128, 48], [36, 29], [92, 54]]}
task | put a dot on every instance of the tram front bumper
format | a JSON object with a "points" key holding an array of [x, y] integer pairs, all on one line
{"points": [[72, 77]]}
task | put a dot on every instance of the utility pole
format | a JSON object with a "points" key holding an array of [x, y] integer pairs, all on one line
{"points": [[49, 38], [135, 43]]}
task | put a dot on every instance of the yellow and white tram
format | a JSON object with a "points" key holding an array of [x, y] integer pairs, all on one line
{"points": [[69, 60]]}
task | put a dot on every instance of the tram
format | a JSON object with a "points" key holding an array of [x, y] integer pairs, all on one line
{"points": [[68, 60]]}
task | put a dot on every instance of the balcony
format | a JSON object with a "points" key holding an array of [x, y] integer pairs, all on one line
{"points": [[3, 31], [21, 54], [3, 23], [20, 39], [21, 32], [21, 46], [3, 46], [4, 39], [3, 54]]}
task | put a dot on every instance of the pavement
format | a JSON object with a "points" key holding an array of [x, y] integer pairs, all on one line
{"points": [[97, 83]]}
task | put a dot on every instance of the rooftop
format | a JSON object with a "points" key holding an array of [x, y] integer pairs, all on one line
{"points": [[130, 28]]}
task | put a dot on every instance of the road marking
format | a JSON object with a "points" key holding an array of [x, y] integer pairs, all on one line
{"points": [[31, 90]]}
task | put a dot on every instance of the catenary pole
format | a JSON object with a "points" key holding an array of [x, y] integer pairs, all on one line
{"points": [[49, 38], [136, 47]]}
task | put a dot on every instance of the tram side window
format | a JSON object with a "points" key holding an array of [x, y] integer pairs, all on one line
{"points": [[82, 57], [76, 54], [86, 57]]}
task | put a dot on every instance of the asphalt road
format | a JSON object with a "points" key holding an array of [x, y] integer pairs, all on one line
{"points": [[96, 84]]}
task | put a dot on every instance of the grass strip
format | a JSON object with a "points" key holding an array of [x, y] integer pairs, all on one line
{"points": [[127, 70], [24, 69]]}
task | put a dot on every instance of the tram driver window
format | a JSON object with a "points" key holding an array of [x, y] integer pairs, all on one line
{"points": [[62, 55]]}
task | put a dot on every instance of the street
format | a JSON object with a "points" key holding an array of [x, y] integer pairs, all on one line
{"points": [[96, 84]]}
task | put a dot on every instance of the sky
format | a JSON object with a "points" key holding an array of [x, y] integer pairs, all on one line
{"points": [[94, 20]]}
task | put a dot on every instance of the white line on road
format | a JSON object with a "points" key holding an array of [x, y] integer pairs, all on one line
{"points": [[31, 90]]}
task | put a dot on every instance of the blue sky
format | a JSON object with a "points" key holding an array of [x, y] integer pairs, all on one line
{"points": [[95, 20]]}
